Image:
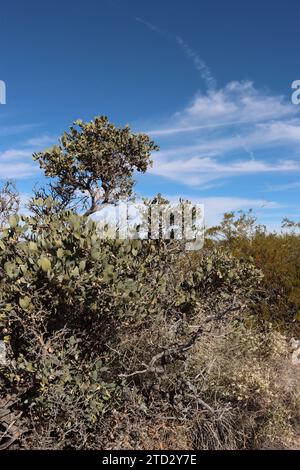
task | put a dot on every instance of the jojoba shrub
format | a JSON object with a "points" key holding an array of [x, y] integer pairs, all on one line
{"points": [[137, 343], [87, 321], [59, 283]]}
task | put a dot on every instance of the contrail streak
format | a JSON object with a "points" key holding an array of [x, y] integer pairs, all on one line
{"points": [[199, 64]]}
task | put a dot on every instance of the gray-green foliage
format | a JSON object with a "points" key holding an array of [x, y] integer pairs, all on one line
{"points": [[9, 202], [59, 281], [73, 306], [97, 160], [106, 338]]}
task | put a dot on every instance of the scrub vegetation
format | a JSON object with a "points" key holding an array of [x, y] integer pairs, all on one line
{"points": [[140, 344]]}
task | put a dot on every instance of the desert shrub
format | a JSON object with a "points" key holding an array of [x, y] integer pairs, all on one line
{"points": [[278, 257], [241, 381], [138, 344], [57, 272], [94, 321], [60, 283], [227, 392], [68, 397]]}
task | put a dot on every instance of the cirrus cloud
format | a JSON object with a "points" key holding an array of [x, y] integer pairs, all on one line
{"points": [[220, 132]]}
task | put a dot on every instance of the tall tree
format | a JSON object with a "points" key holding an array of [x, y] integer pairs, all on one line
{"points": [[96, 160]]}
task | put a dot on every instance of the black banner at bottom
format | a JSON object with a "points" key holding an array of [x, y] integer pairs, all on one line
{"points": [[135, 459]]}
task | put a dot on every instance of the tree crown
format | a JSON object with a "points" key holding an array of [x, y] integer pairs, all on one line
{"points": [[96, 159]]}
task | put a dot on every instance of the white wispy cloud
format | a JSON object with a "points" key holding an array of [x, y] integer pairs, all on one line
{"points": [[6, 130], [16, 171], [196, 171], [237, 103], [217, 135], [16, 163], [14, 154], [215, 207], [41, 141], [261, 136], [283, 187]]}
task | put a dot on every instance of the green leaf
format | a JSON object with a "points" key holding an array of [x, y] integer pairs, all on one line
{"points": [[39, 201], [32, 246], [134, 251], [60, 253], [95, 253], [13, 220], [82, 265], [75, 271], [30, 367], [110, 385], [10, 269], [45, 264], [24, 302], [24, 268]]}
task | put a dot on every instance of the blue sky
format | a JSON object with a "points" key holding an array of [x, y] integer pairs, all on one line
{"points": [[210, 81]]}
